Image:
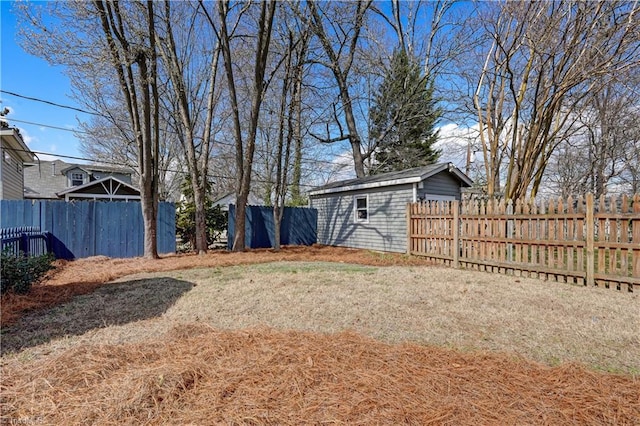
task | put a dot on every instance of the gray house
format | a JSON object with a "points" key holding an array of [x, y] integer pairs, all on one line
{"points": [[57, 180], [370, 212], [15, 154]]}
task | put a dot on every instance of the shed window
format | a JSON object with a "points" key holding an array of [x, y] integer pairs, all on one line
{"points": [[362, 208], [77, 179]]}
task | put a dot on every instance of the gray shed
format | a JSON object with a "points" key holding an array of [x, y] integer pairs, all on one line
{"points": [[370, 212]]}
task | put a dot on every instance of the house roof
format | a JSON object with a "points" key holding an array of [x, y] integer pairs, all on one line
{"points": [[107, 187], [414, 175], [44, 179], [13, 140], [90, 168], [230, 198]]}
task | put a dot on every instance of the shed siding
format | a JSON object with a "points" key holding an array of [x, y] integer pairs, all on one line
{"points": [[12, 177], [442, 183], [386, 229]]}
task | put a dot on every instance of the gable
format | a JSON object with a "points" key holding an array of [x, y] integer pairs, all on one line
{"points": [[106, 188]]}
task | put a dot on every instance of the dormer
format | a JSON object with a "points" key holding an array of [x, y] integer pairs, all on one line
{"points": [[76, 176]]}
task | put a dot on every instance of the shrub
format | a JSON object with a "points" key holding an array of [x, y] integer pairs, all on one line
{"points": [[19, 273]]}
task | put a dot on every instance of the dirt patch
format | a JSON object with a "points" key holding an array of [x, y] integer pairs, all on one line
{"points": [[198, 375]]}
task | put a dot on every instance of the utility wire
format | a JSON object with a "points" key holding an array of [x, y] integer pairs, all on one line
{"points": [[102, 115], [230, 144], [50, 103], [45, 125], [120, 164]]}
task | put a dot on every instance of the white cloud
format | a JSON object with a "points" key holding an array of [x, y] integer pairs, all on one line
{"points": [[454, 141], [27, 138], [47, 157]]}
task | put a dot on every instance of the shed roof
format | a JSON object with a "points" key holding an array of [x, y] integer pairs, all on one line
{"points": [[414, 175]]}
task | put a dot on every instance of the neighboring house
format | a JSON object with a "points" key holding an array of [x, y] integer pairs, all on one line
{"points": [[370, 213], [230, 198], [15, 154], [57, 180]]}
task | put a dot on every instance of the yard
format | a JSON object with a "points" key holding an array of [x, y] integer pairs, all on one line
{"points": [[314, 335]]}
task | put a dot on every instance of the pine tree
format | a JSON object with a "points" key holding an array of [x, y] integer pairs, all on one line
{"points": [[215, 218], [403, 117]]}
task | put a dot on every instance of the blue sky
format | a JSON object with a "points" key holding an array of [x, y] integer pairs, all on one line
{"points": [[29, 76]]}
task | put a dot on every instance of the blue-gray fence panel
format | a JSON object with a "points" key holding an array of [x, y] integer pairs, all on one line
{"points": [[299, 226], [91, 228]]}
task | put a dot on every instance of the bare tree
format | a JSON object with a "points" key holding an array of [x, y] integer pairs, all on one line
{"points": [[185, 66], [103, 142], [340, 48], [289, 133], [541, 60], [602, 155], [143, 108], [245, 136], [110, 48]]}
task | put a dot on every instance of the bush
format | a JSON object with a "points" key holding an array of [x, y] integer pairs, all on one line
{"points": [[19, 273]]}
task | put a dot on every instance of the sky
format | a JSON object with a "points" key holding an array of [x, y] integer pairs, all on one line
{"points": [[30, 76]]}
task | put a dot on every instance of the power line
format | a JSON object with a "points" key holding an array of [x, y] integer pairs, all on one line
{"points": [[120, 164], [45, 125], [230, 144], [49, 103]]}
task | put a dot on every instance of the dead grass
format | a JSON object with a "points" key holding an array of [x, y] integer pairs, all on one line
{"points": [[85, 275], [284, 343]]}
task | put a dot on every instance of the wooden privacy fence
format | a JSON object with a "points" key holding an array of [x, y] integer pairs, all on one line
{"points": [[299, 226], [81, 229], [578, 241]]}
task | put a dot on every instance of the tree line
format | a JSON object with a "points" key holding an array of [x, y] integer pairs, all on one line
{"points": [[249, 96]]}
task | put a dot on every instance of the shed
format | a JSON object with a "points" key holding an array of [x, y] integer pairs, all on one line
{"points": [[370, 212]]}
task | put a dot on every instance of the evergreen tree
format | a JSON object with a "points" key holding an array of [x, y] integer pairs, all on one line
{"points": [[403, 117], [215, 218]]}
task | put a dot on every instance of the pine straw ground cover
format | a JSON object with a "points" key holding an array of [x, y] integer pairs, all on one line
{"points": [[296, 343], [198, 375]]}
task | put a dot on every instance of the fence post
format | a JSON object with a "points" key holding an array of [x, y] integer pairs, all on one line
{"points": [[408, 228], [589, 218], [510, 230], [24, 244], [455, 205]]}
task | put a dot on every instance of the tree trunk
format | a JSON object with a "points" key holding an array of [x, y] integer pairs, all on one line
{"points": [[245, 154], [143, 113]]}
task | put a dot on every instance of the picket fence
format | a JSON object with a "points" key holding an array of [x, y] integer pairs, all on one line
{"points": [[575, 240], [83, 229], [25, 240]]}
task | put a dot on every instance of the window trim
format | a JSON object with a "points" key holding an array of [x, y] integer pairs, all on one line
{"points": [[356, 219], [73, 179]]}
